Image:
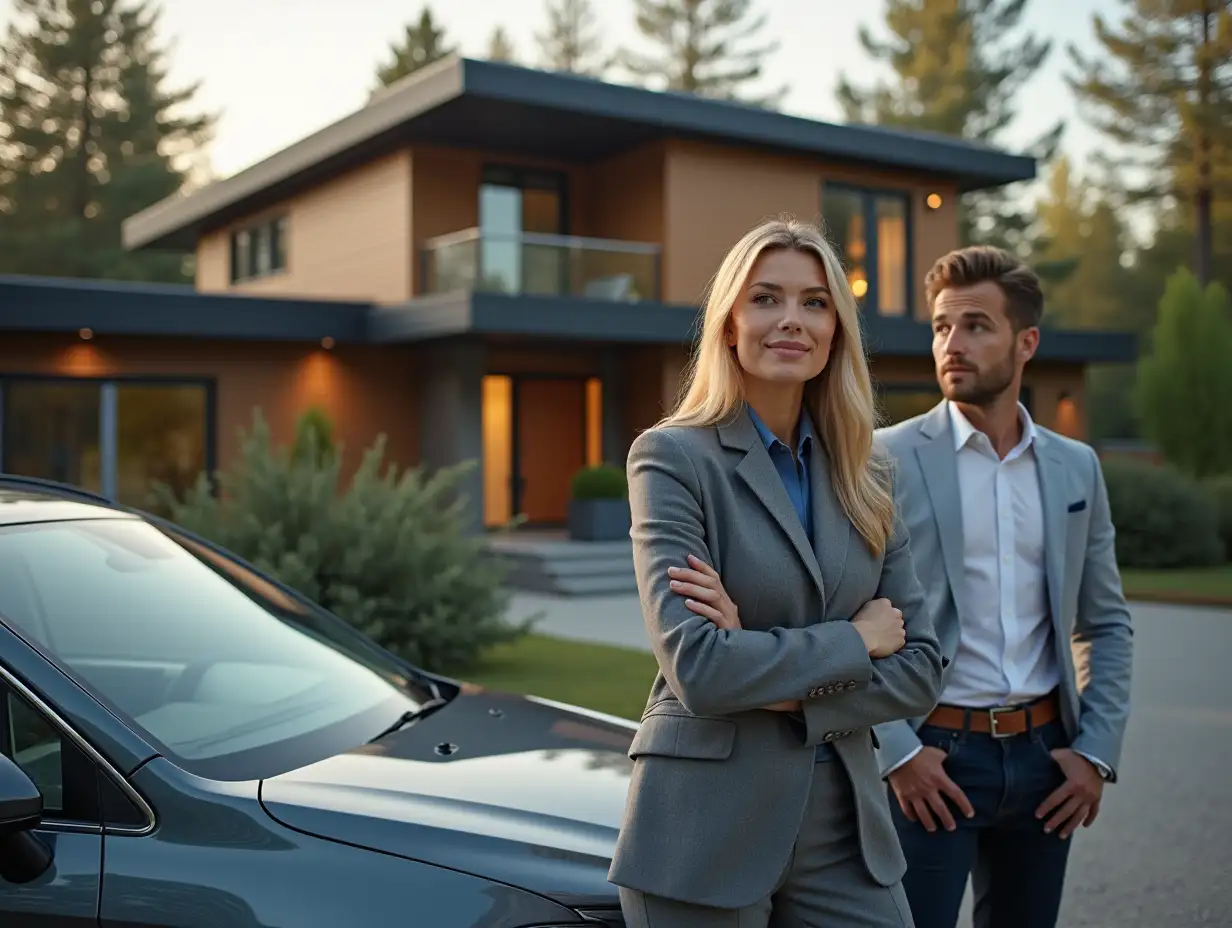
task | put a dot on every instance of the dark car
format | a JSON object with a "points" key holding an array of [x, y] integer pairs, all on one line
{"points": [[186, 742]]}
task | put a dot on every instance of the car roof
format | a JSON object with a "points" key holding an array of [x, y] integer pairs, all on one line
{"points": [[24, 500]]}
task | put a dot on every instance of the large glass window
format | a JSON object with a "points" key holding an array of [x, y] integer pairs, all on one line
{"points": [[899, 401], [117, 438], [871, 230], [232, 678], [513, 203]]}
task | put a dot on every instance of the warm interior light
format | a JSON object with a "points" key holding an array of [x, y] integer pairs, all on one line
{"points": [[933, 200], [859, 287], [327, 342], [86, 334]]}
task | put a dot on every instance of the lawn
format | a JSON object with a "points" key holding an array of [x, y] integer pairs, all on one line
{"points": [[595, 676], [1205, 582]]}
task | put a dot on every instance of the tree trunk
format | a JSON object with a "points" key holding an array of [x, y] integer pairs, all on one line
{"points": [[1204, 239]]}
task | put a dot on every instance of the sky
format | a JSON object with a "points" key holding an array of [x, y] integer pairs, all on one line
{"points": [[277, 70]]}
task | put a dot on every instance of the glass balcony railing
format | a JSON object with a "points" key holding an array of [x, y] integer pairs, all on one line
{"points": [[533, 264]]}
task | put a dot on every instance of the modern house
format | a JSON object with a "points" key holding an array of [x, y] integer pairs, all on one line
{"points": [[484, 262]]}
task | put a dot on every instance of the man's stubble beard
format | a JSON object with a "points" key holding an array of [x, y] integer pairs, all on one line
{"points": [[987, 387]]}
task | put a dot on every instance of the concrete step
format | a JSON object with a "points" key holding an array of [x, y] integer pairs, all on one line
{"points": [[566, 568]]}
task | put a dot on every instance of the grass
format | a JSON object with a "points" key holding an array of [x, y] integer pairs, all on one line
{"points": [[1205, 582], [594, 676]]}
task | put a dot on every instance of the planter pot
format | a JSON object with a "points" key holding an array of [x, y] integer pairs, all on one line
{"points": [[599, 519]]}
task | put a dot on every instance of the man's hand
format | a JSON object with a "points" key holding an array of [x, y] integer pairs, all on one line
{"points": [[1076, 801], [881, 627], [701, 584], [921, 786]]}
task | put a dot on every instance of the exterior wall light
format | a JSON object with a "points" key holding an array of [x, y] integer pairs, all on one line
{"points": [[86, 334], [933, 201], [327, 342]]}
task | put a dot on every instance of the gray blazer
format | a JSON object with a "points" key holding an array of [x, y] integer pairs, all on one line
{"points": [[719, 785], [1091, 625]]}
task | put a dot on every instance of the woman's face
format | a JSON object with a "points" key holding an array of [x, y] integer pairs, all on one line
{"points": [[783, 323]]}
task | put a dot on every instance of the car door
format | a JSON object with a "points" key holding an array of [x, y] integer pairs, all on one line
{"points": [[67, 895]]}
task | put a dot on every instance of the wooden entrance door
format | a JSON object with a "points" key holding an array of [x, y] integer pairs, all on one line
{"points": [[551, 445]]}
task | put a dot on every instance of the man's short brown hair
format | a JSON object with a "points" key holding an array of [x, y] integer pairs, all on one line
{"points": [[975, 264]]}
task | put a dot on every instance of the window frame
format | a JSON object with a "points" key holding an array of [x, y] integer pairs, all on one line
{"points": [[263, 241], [869, 195], [11, 684], [108, 412]]}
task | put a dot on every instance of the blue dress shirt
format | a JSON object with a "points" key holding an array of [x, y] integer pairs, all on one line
{"points": [[793, 470]]}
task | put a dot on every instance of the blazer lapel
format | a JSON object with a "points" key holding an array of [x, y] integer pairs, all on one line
{"points": [[939, 464], [831, 527], [1052, 480], [757, 470]]}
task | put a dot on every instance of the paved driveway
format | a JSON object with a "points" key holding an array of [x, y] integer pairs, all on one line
{"points": [[1161, 852]]}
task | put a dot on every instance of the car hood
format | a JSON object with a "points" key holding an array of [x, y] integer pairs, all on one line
{"points": [[521, 790]]}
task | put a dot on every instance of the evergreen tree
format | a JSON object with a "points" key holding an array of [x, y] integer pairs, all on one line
{"points": [[423, 42], [957, 66], [90, 133], [500, 46], [1162, 89], [571, 41], [698, 48], [1183, 381]]}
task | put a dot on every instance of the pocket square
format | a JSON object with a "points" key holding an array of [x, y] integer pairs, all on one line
{"points": [[1078, 506]]}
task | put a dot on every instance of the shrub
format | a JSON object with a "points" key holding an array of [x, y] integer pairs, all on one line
{"points": [[605, 481], [1163, 519], [1220, 489], [390, 553]]}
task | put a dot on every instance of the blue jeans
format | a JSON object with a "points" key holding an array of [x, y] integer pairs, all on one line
{"points": [[1017, 871]]}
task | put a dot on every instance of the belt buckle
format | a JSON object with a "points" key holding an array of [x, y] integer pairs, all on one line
{"points": [[993, 713]]}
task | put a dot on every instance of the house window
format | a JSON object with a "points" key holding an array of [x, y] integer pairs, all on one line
{"points": [[871, 228], [899, 401], [259, 250], [117, 438]]}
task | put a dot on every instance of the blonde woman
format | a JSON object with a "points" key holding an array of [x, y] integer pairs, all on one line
{"points": [[781, 603]]}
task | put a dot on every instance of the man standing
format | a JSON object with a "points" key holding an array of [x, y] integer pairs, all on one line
{"points": [[1013, 542]]}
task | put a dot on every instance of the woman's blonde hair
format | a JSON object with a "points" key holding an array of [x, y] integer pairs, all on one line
{"points": [[839, 400]]}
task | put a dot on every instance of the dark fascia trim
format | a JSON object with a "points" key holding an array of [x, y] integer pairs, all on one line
{"points": [[897, 335], [724, 120], [974, 166], [31, 304]]}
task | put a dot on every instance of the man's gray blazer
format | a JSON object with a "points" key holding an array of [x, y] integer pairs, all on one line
{"points": [[719, 784], [1090, 621]]}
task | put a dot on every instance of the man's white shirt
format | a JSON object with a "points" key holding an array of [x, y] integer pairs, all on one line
{"points": [[1005, 654]]}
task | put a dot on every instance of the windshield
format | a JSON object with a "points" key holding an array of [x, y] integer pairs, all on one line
{"points": [[228, 676]]}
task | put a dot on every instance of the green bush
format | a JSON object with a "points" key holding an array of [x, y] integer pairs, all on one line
{"points": [[1163, 519], [390, 553], [605, 481], [314, 436], [1220, 489]]}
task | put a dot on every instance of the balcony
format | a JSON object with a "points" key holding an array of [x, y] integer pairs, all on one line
{"points": [[533, 264]]}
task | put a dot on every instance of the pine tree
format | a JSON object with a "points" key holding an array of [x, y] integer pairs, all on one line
{"points": [[571, 41], [500, 46], [957, 68], [698, 49], [1162, 90], [90, 133], [423, 42]]}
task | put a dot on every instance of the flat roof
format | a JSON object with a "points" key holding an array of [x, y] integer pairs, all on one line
{"points": [[32, 304], [501, 107]]}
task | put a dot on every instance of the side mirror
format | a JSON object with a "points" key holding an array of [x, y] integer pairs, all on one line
{"points": [[23, 857]]}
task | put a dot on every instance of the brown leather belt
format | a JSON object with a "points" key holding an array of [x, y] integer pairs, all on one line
{"points": [[999, 721]]}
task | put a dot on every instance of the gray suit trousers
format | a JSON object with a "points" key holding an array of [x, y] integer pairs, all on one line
{"points": [[825, 884]]}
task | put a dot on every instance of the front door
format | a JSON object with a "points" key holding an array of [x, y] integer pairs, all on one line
{"points": [[550, 445]]}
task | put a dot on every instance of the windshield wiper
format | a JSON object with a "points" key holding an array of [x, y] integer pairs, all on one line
{"points": [[410, 716]]}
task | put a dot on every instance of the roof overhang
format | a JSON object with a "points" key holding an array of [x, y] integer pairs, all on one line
{"points": [[499, 107], [30, 304]]}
